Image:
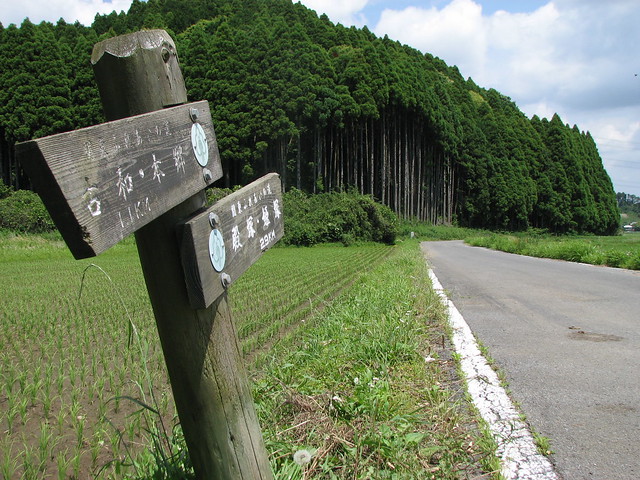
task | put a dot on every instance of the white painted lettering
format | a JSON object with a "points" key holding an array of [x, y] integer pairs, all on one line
{"points": [[87, 150], [136, 210], [124, 184], [276, 209], [94, 207], [251, 231], [265, 217], [267, 239], [157, 173], [178, 159], [235, 238], [103, 148]]}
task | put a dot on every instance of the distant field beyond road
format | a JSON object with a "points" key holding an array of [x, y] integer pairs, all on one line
{"points": [[622, 251]]}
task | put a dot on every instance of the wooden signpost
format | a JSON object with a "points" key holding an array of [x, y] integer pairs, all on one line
{"points": [[145, 172]]}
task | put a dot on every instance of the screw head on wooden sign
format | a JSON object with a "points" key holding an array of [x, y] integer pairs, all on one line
{"points": [[102, 183], [245, 224]]}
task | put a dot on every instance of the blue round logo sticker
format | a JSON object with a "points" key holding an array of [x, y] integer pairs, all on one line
{"points": [[199, 144], [216, 250]]}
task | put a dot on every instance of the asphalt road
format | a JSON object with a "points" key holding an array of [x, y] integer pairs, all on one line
{"points": [[567, 336]]}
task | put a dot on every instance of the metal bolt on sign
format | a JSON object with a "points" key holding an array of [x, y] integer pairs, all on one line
{"points": [[214, 220]]}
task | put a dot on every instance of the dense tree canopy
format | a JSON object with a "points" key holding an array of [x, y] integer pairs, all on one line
{"points": [[329, 108]]}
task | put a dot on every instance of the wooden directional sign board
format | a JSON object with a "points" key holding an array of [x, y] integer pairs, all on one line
{"points": [[104, 182], [219, 244]]}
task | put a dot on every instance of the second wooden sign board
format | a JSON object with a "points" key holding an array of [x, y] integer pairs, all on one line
{"points": [[220, 244]]}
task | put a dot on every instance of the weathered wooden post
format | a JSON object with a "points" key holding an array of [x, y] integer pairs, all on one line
{"points": [[146, 174]]}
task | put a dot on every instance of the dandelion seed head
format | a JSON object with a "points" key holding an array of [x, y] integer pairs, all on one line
{"points": [[302, 457]]}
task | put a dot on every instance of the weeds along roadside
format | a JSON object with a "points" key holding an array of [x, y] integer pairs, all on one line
{"points": [[368, 389], [67, 365], [619, 251]]}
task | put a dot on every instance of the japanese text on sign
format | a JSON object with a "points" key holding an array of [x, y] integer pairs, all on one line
{"points": [[251, 225]]}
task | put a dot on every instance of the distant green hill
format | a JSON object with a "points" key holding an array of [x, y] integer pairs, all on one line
{"points": [[330, 108]]}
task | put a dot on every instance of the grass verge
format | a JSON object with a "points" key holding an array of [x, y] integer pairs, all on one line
{"points": [[426, 231], [367, 388], [622, 251]]}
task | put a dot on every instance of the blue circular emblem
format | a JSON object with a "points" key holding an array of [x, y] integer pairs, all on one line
{"points": [[216, 250]]}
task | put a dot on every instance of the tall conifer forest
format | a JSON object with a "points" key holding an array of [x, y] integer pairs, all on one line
{"points": [[330, 108]]}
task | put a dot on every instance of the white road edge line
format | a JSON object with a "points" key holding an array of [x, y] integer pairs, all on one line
{"points": [[516, 448]]}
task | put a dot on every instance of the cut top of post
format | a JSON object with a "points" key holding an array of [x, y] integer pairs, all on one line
{"points": [[149, 54]]}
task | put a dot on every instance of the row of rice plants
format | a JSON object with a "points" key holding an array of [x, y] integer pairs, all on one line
{"points": [[318, 276]]}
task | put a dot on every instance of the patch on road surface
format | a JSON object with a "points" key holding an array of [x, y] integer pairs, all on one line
{"points": [[577, 334]]}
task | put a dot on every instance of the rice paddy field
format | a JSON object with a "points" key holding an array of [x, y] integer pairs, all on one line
{"points": [[347, 349]]}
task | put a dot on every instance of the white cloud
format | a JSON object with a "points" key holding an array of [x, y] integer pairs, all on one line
{"points": [[617, 134], [347, 12], [456, 33], [52, 10], [564, 51]]}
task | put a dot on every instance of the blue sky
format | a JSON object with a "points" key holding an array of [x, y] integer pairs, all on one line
{"points": [[577, 58]]}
